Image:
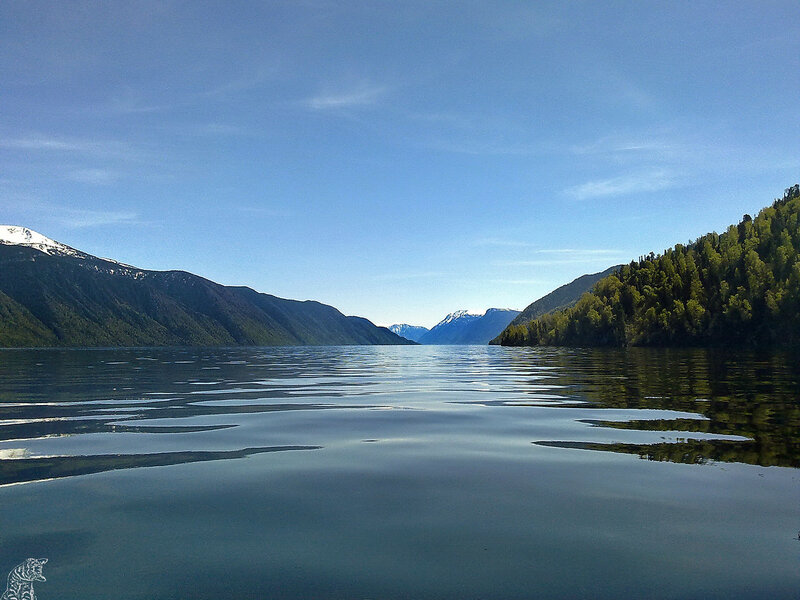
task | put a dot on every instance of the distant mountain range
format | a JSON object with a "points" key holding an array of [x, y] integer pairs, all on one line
{"points": [[410, 332], [54, 295], [462, 327]]}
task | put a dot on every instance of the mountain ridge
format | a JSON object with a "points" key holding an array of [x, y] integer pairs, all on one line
{"points": [[463, 327], [562, 297], [410, 332], [54, 295]]}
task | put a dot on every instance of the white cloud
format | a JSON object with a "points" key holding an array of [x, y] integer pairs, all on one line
{"points": [[362, 95], [48, 143], [95, 218], [650, 181], [651, 145]]}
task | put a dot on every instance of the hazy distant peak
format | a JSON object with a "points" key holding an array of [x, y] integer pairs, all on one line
{"points": [[466, 315], [14, 235], [465, 327], [410, 332], [459, 314]]}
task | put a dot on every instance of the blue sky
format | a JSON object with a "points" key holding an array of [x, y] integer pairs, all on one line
{"points": [[399, 160]]}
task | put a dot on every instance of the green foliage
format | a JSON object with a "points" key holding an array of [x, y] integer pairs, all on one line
{"points": [[740, 287]]}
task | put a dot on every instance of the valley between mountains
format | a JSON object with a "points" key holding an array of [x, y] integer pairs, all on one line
{"points": [[740, 287]]}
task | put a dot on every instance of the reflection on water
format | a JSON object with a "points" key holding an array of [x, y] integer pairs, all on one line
{"points": [[409, 472], [738, 394], [22, 470]]}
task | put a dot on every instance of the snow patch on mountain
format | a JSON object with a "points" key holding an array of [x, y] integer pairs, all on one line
{"points": [[465, 327], [13, 235], [410, 332], [459, 314]]}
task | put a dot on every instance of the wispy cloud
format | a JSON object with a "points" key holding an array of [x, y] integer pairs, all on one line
{"points": [[245, 83], [549, 262], [94, 176], [649, 181], [30, 206], [56, 144], [567, 256], [361, 95], [616, 87], [129, 100], [648, 145], [95, 218], [564, 252], [510, 243], [579, 252]]}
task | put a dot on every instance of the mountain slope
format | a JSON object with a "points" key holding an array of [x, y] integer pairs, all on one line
{"points": [[54, 295], [461, 327], [562, 297], [741, 287], [410, 332]]}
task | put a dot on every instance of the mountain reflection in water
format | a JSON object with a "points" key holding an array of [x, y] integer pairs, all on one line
{"points": [[722, 406]]}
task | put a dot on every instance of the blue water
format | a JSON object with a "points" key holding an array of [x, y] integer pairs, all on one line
{"points": [[401, 472]]}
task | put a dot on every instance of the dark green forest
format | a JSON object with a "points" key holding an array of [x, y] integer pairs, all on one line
{"points": [[741, 287]]}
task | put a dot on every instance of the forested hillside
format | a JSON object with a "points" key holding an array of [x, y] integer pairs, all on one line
{"points": [[81, 300], [562, 297], [741, 287]]}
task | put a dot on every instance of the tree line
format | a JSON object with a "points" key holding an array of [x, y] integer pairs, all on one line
{"points": [[739, 287]]}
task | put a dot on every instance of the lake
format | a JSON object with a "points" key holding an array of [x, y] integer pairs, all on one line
{"points": [[401, 472]]}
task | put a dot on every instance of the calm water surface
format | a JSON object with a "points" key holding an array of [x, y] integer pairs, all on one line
{"points": [[401, 472]]}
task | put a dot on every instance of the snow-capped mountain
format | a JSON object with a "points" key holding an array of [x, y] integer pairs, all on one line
{"points": [[464, 327], [410, 332], [14, 235], [54, 295], [462, 315]]}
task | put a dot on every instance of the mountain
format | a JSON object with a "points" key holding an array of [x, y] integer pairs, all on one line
{"points": [[54, 295], [462, 327], [410, 332], [738, 288], [562, 297]]}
